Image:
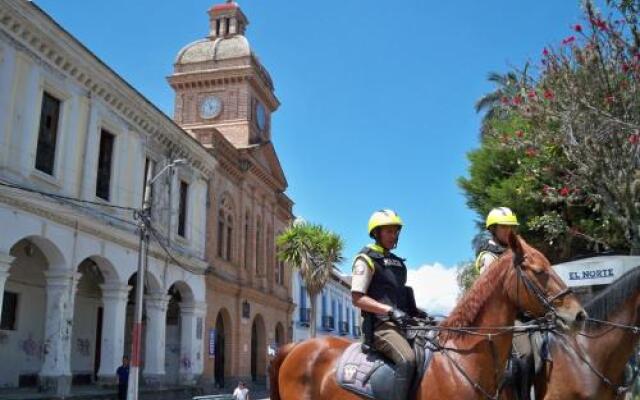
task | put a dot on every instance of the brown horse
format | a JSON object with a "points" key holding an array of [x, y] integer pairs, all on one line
{"points": [[591, 364], [521, 280]]}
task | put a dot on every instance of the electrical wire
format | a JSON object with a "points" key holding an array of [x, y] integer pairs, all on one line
{"points": [[62, 197], [160, 240]]}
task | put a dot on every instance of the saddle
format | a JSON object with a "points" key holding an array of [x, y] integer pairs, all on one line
{"points": [[364, 371]]}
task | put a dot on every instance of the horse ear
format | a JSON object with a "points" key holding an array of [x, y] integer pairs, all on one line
{"points": [[515, 244]]}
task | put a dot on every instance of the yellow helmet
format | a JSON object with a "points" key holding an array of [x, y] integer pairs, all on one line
{"points": [[501, 216], [383, 218]]}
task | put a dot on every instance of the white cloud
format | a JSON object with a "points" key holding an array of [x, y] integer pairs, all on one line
{"points": [[435, 287]]}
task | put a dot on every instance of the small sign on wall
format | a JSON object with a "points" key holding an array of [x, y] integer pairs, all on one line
{"points": [[199, 328], [212, 343]]}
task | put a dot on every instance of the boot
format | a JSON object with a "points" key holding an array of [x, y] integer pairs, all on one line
{"points": [[401, 390]]}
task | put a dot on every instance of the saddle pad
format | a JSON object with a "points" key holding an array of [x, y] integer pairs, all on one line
{"points": [[355, 369], [369, 374]]}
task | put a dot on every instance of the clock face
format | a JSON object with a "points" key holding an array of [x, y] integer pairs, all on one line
{"points": [[210, 107], [261, 116]]}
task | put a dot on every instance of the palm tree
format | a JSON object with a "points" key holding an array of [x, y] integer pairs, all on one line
{"points": [[507, 87], [314, 251]]}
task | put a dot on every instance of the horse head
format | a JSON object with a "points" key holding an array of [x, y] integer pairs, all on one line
{"points": [[537, 290]]}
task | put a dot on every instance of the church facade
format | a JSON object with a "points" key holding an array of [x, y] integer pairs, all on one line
{"points": [[225, 99]]}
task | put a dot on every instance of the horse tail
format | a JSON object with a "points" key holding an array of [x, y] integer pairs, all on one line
{"points": [[274, 371]]}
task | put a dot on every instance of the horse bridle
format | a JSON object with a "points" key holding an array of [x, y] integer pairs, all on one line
{"points": [[550, 316], [541, 295]]}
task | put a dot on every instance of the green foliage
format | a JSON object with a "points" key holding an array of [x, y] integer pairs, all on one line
{"points": [[466, 275], [515, 168], [562, 146]]}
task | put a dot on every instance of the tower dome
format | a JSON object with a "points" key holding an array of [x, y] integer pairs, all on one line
{"points": [[226, 40]]}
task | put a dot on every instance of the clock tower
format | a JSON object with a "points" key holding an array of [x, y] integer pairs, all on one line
{"points": [[220, 83]]}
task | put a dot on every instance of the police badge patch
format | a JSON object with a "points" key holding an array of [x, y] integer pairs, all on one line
{"points": [[359, 269], [349, 374]]}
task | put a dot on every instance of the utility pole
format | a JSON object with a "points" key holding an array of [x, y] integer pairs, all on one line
{"points": [[144, 219]]}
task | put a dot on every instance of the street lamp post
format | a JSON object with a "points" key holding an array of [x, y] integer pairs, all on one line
{"points": [[144, 218]]}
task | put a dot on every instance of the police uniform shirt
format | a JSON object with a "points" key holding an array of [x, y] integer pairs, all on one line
{"points": [[486, 259], [361, 277]]}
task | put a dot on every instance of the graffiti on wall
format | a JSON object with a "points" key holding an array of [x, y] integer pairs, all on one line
{"points": [[31, 347], [185, 362], [84, 347]]}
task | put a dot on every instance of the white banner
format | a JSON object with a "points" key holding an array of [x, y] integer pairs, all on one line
{"points": [[596, 270]]}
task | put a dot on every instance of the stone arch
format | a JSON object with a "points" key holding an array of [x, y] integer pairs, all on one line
{"points": [[182, 333], [258, 349], [102, 267], [152, 287], [151, 282], [50, 250], [36, 260], [95, 273], [183, 289], [223, 346]]}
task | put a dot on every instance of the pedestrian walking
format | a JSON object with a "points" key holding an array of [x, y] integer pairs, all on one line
{"points": [[241, 392], [123, 378]]}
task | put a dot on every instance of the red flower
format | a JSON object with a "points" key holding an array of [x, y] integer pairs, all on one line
{"points": [[565, 191], [577, 28], [548, 94], [531, 152], [532, 94], [519, 133], [634, 139], [517, 100], [504, 100], [569, 40], [609, 99], [545, 52], [600, 24], [625, 67]]}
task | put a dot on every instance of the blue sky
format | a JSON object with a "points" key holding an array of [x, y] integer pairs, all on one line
{"points": [[377, 97]]}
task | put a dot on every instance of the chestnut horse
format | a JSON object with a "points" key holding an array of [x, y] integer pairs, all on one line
{"points": [[591, 364], [471, 367]]}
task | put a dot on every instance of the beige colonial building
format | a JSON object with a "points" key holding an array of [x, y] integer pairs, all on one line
{"points": [[74, 142], [224, 99]]}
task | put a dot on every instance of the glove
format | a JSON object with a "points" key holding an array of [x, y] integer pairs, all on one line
{"points": [[399, 317]]}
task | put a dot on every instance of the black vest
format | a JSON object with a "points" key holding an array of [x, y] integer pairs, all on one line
{"points": [[389, 279]]}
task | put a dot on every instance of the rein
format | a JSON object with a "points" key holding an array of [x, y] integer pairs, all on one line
{"points": [[618, 389]]}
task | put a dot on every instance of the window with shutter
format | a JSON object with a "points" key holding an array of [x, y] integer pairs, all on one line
{"points": [[47, 134]]}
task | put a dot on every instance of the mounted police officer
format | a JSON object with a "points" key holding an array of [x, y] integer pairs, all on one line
{"points": [[525, 360], [378, 289], [493, 242]]}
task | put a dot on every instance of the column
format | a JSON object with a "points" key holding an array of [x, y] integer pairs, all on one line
{"points": [[223, 27], [5, 265], [55, 374], [191, 347], [114, 303], [154, 352]]}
